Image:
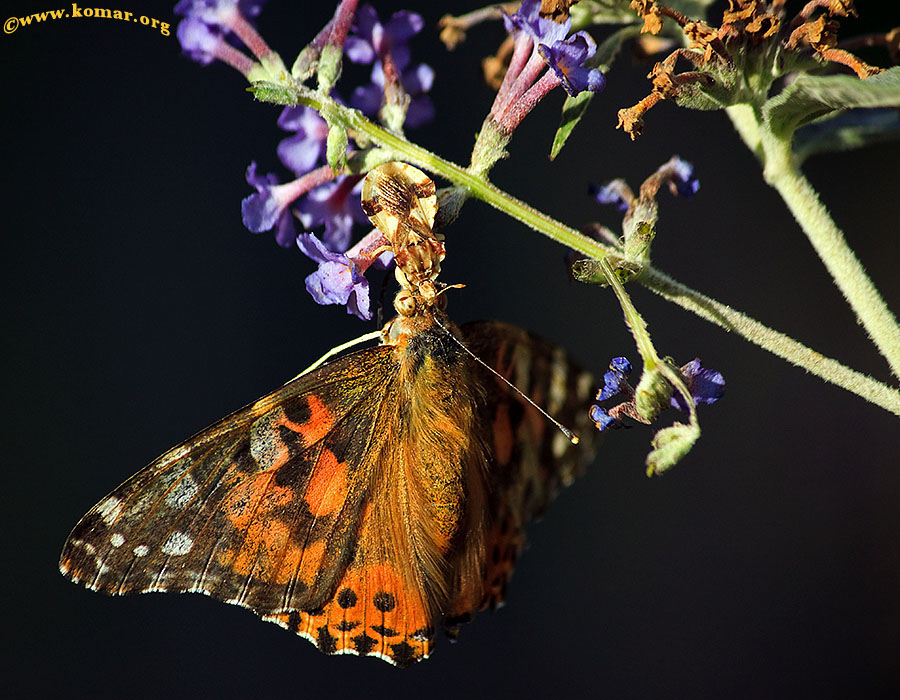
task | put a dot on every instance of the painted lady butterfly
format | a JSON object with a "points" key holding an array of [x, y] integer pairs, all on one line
{"points": [[369, 500]]}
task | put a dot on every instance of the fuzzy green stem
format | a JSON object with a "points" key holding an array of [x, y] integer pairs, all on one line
{"points": [[633, 319], [709, 309], [781, 172]]}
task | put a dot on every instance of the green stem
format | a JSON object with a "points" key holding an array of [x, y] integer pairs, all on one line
{"points": [[777, 343], [633, 319], [781, 172], [709, 309]]}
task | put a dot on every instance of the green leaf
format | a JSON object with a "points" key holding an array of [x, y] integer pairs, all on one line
{"points": [[854, 129], [813, 97], [575, 107], [572, 112], [590, 12], [265, 91]]}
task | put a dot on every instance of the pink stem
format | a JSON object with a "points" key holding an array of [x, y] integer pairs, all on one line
{"points": [[226, 53], [523, 82], [343, 18], [522, 48], [247, 34], [522, 106]]}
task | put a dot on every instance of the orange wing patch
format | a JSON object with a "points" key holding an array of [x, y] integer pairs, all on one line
{"points": [[327, 487]]}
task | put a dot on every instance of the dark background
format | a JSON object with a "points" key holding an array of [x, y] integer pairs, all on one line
{"points": [[138, 310]]}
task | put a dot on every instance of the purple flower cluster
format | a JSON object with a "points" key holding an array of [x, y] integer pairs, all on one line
{"points": [[540, 43], [384, 47], [211, 28], [317, 198], [706, 386]]}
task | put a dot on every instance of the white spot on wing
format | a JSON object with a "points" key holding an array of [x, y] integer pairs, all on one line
{"points": [[116, 540], [110, 509], [178, 544], [182, 493], [141, 550]]}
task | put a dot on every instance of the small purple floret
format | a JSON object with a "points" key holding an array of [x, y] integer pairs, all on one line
{"points": [[603, 420], [214, 12], [686, 185], [705, 385], [306, 149], [266, 210], [527, 19], [566, 59], [198, 40], [615, 381], [337, 206], [614, 192], [338, 280], [370, 39]]}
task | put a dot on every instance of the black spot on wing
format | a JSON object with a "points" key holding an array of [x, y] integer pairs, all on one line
{"points": [[363, 643], [385, 602], [403, 654], [326, 641], [346, 598]]}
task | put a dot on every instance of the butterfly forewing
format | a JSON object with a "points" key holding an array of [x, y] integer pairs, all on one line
{"points": [[250, 509]]}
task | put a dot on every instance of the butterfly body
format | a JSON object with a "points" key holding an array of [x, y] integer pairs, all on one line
{"points": [[363, 504]]}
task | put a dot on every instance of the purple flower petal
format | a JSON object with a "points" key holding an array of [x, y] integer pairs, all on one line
{"points": [[338, 280], [602, 419], [403, 26], [615, 381], [421, 111], [358, 303], [418, 80], [359, 50], [706, 385], [198, 41], [285, 230], [315, 250], [301, 153], [528, 20], [367, 98], [566, 59], [268, 208], [686, 185], [614, 192], [214, 11], [335, 205]]}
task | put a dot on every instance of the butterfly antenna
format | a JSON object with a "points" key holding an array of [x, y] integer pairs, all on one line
{"points": [[572, 437], [374, 335]]}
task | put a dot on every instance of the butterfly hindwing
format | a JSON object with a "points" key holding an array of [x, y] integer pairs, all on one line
{"points": [[530, 459]]}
